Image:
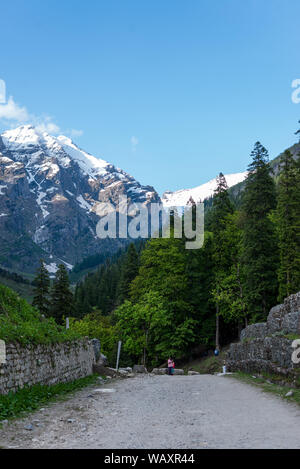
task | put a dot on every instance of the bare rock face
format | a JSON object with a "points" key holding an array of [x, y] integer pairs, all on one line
{"points": [[139, 369], [292, 303], [267, 347], [160, 371], [50, 191], [97, 348], [275, 318], [256, 331], [291, 323]]}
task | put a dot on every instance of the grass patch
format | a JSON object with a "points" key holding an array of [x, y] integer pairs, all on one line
{"points": [[32, 398], [22, 289], [20, 322], [260, 382], [292, 336]]}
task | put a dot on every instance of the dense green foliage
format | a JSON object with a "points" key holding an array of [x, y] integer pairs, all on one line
{"points": [[20, 322], [97, 326], [288, 225], [222, 246], [108, 287], [159, 303], [32, 398], [260, 257]]}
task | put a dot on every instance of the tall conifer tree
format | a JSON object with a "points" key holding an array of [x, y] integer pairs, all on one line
{"points": [[260, 255], [222, 207], [61, 295], [128, 273], [288, 223], [41, 290]]}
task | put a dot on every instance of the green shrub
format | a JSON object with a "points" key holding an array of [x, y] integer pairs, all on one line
{"points": [[97, 326], [20, 322]]}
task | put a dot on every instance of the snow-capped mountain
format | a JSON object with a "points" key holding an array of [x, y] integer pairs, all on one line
{"points": [[200, 193], [49, 192]]}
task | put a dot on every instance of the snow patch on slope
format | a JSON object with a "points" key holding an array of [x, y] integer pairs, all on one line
{"points": [[52, 268], [200, 193], [89, 164], [83, 203]]}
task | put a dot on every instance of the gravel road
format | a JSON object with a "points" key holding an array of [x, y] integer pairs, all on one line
{"points": [[161, 412]]}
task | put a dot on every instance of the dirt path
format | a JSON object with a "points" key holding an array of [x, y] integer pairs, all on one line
{"points": [[161, 412]]}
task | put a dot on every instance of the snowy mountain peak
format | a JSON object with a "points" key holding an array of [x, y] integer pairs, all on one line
{"points": [[200, 193], [24, 135], [28, 140], [88, 163]]}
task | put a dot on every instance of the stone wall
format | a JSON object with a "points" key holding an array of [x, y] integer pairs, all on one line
{"points": [[45, 364], [267, 347]]}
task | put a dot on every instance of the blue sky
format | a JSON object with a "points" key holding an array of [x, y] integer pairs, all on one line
{"points": [[171, 91]]}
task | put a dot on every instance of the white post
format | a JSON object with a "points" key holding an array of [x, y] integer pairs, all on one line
{"points": [[118, 356], [67, 323]]}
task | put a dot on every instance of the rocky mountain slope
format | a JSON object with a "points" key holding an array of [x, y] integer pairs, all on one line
{"points": [[49, 193]]}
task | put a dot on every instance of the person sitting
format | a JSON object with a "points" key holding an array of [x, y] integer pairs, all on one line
{"points": [[170, 366]]}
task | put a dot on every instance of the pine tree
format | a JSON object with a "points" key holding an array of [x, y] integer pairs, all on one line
{"points": [[288, 223], [229, 292], [260, 257], [82, 306], [222, 207], [221, 204], [128, 273], [41, 290], [61, 295], [200, 274]]}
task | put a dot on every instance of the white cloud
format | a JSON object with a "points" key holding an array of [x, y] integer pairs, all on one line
{"points": [[12, 111], [48, 127], [134, 142], [76, 133], [12, 114]]}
